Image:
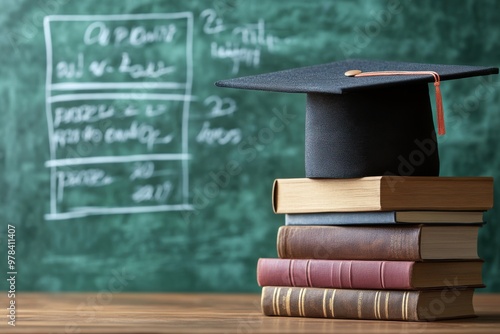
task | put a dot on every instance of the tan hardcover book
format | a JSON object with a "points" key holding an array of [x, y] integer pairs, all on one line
{"points": [[400, 305], [382, 193]]}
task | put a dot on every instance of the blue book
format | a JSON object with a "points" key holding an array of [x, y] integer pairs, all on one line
{"points": [[385, 217]]}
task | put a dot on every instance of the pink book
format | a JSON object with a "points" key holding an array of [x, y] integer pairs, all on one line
{"points": [[380, 275]]}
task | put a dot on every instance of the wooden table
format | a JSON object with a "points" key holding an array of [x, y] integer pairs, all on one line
{"points": [[206, 313]]}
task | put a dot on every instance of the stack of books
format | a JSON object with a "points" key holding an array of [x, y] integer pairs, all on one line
{"points": [[390, 248]]}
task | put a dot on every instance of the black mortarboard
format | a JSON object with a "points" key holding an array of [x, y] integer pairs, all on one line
{"points": [[363, 126]]}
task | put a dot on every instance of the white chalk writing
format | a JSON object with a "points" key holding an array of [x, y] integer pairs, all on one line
{"points": [[98, 68], [86, 177], [220, 106], [245, 44], [213, 24], [100, 33], [133, 140], [218, 136]]}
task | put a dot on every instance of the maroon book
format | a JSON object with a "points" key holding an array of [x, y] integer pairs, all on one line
{"points": [[379, 275], [383, 242]]}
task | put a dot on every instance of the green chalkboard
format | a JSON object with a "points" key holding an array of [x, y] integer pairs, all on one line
{"points": [[119, 158]]}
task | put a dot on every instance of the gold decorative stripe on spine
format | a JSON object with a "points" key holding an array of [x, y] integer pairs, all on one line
{"points": [[324, 303], [360, 304], [287, 302], [403, 306], [380, 305], [332, 303], [263, 294], [379, 314], [406, 305], [403, 303], [303, 303], [387, 294], [299, 301], [274, 301], [376, 305], [278, 294]]}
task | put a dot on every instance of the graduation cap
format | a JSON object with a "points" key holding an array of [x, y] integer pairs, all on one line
{"points": [[366, 118]]}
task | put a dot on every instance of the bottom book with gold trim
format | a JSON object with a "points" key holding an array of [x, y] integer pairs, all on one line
{"points": [[424, 305]]}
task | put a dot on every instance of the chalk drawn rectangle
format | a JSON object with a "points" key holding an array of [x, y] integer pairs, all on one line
{"points": [[91, 126], [133, 51], [117, 187], [165, 89]]}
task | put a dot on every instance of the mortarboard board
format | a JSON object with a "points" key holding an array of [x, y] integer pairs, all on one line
{"points": [[357, 126]]}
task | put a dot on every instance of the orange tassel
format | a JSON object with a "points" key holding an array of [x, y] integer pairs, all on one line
{"points": [[439, 112]]}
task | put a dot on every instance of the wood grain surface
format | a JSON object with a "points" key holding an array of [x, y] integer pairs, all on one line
{"points": [[207, 313]]}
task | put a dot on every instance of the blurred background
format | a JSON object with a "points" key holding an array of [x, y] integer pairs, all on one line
{"points": [[121, 161]]}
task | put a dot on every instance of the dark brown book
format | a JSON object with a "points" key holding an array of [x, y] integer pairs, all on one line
{"points": [[385, 243], [378, 275], [427, 305], [383, 193]]}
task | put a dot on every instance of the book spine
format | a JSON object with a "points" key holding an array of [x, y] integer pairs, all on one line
{"points": [[377, 275], [340, 303], [341, 218], [441, 193], [392, 243]]}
